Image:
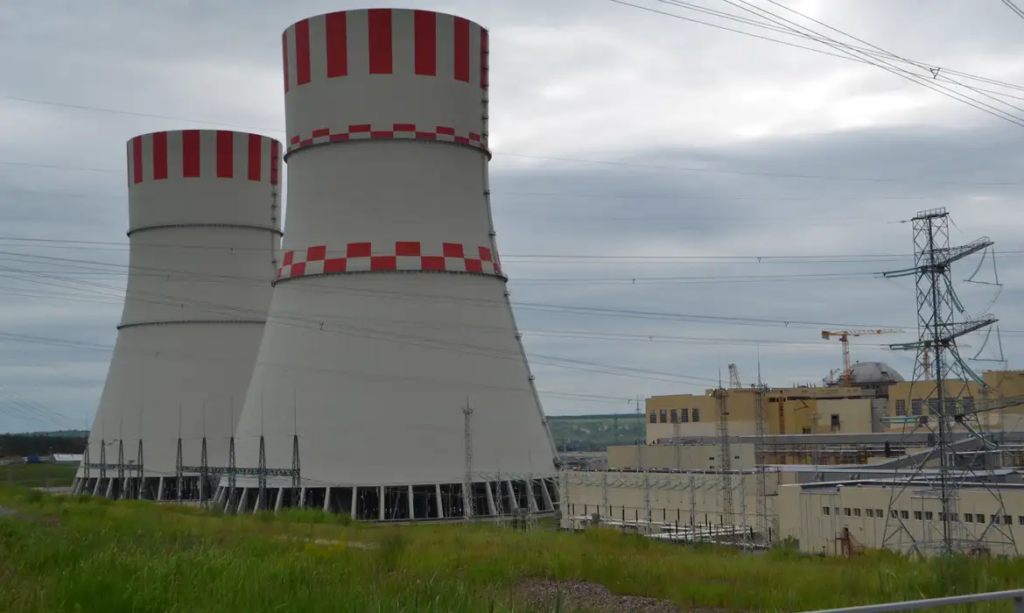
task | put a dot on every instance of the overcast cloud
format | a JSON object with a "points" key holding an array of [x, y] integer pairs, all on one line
{"points": [[719, 145]]}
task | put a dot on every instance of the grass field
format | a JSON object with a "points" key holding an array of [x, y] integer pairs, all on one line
{"points": [[59, 553], [37, 475]]}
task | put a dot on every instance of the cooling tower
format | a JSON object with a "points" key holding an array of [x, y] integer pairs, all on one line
{"points": [[203, 209], [390, 315]]}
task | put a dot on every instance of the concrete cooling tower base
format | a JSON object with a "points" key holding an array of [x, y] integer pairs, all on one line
{"points": [[408, 368], [167, 383]]}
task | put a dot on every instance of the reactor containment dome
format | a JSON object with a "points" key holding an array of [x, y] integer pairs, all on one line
{"points": [[391, 361], [204, 233]]}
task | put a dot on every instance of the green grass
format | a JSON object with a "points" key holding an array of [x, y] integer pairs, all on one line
{"points": [[60, 553], [38, 475]]}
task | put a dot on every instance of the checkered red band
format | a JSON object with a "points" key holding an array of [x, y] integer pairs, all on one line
{"points": [[389, 257], [408, 131]]}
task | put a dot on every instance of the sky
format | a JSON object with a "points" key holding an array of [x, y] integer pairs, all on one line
{"points": [[698, 196]]}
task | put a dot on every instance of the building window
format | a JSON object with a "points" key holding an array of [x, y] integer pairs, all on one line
{"points": [[695, 414], [928, 515], [918, 515], [1020, 520], [869, 512], [979, 518], [968, 405], [969, 517], [878, 513], [950, 406], [901, 407], [933, 406], [894, 514], [995, 519], [663, 416], [654, 417], [955, 516], [1007, 520], [856, 512], [904, 515], [674, 416], [684, 415], [915, 407], [835, 423], [824, 510], [846, 511]]}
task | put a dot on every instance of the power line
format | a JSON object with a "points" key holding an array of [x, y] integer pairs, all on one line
{"points": [[849, 52], [1013, 7]]}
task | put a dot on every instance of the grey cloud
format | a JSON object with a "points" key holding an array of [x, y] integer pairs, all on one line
{"points": [[580, 79]]}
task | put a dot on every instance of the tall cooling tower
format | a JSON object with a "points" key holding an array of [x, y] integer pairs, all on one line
{"points": [[390, 316], [204, 229]]}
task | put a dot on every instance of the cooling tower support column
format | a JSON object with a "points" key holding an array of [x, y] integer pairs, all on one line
{"points": [[390, 312], [204, 230]]}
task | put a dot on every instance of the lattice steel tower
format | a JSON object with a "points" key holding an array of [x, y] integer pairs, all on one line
{"points": [[941, 320]]}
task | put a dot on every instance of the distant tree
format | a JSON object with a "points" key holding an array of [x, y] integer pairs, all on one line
{"points": [[40, 444]]}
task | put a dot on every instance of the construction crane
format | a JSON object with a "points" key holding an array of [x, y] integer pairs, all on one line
{"points": [[844, 338], [734, 377]]}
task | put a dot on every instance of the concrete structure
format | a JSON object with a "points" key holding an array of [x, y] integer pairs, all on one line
{"points": [[843, 518], [908, 402], [836, 511], [390, 314], [203, 210], [795, 410], [700, 454]]}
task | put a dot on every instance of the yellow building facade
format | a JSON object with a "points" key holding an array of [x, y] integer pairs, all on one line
{"points": [[919, 398], [822, 410], [795, 410]]}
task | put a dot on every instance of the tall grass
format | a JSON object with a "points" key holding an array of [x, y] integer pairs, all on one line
{"points": [[84, 554], [37, 475]]}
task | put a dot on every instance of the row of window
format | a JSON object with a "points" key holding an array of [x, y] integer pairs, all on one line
{"points": [[953, 406], [675, 416], [969, 518]]}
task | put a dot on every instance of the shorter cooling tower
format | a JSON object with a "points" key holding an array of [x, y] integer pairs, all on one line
{"points": [[390, 316], [204, 232]]}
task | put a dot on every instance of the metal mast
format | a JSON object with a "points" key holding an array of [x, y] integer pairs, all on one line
{"points": [[467, 480], [641, 465], [725, 451], [760, 461]]}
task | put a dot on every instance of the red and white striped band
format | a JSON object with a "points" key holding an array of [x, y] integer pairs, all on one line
{"points": [[398, 42], [389, 257], [409, 131], [203, 154]]}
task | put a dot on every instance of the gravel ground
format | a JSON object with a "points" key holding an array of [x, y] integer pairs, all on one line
{"points": [[580, 597]]}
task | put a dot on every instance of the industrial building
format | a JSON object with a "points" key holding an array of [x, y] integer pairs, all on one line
{"points": [[857, 474], [880, 400]]}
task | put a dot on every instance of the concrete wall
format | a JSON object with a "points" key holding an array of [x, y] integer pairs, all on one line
{"points": [[797, 511], [682, 497], [1003, 383], [786, 410], [679, 457], [851, 415], [817, 517]]}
